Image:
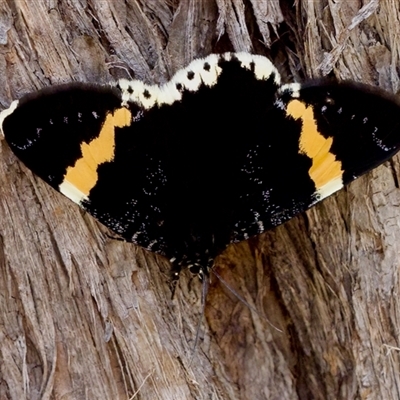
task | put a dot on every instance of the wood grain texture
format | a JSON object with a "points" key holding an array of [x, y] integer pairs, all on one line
{"points": [[83, 316]]}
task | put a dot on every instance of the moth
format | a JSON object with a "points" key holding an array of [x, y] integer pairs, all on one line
{"points": [[220, 153]]}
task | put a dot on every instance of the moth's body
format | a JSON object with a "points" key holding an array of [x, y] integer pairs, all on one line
{"points": [[220, 153]]}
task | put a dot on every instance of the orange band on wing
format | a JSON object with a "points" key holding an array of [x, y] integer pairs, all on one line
{"points": [[82, 177], [325, 168]]}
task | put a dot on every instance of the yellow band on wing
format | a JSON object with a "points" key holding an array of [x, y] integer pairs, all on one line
{"points": [[82, 177], [326, 171]]}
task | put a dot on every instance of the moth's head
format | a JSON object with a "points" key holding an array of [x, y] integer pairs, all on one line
{"points": [[362, 122]]}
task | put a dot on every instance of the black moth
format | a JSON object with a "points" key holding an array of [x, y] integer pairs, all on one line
{"points": [[218, 154]]}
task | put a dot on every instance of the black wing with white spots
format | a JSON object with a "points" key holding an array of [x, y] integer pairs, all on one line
{"points": [[220, 153]]}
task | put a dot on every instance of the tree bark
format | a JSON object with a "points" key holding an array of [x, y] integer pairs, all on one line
{"points": [[85, 316]]}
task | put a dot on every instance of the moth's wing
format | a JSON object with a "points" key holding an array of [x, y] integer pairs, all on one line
{"points": [[216, 155], [160, 171], [68, 135], [362, 122], [46, 128], [319, 137]]}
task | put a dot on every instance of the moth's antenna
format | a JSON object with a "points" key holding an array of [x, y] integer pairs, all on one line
{"points": [[237, 295], [204, 291]]}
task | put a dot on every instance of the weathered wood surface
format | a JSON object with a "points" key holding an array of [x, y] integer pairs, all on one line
{"points": [[85, 317]]}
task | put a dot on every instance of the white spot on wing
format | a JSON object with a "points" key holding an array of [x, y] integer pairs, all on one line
{"points": [[69, 190], [264, 68], [227, 56], [329, 188], [124, 84], [138, 88], [379, 141], [152, 243], [5, 113], [245, 59], [181, 78], [210, 77], [293, 89], [169, 93]]}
